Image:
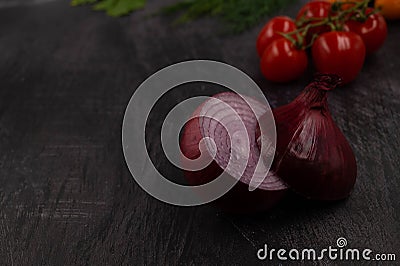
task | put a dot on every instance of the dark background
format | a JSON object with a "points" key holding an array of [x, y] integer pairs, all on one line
{"points": [[66, 195]]}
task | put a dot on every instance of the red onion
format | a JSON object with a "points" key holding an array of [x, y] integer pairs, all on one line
{"points": [[222, 107], [312, 155]]}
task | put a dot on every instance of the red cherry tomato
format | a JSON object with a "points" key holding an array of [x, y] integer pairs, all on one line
{"points": [[340, 53], [270, 31], [281, 62], [316, 10], [373, 31], [346, 4]]}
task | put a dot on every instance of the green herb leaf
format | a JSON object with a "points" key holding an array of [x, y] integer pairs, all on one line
{"points": [[238, 14], [82, 2], [114, 8]]}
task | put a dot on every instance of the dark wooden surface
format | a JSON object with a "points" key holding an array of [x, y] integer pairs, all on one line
{"points": [[66, 195]]}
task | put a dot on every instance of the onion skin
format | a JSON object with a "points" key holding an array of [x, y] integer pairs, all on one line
{"points": [[239, 199], [313, 156]]}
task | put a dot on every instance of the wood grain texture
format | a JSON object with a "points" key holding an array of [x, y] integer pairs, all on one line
{"points": [[66, 195]]}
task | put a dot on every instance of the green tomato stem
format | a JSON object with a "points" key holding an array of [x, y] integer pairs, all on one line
{"points": [[336, 20]]}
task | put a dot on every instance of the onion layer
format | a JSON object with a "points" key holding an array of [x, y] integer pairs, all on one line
{"points": [[223, 113]]}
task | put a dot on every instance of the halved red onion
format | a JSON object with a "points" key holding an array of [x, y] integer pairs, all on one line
{"points": [[223, 113]]}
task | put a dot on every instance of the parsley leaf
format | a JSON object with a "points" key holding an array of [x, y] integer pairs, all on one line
{"points": [[114, 8]]}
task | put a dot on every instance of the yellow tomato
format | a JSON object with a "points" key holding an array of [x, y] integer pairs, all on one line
{"points": [[389, 8]]}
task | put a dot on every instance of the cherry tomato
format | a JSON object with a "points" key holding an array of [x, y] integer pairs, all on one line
{"points": [[314, 9], [281, 62], [317, 10], [373, 31], [390, 9], [341, 53], [270, 32]]}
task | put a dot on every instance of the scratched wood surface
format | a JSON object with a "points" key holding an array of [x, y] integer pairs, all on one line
{"points": [[66, 195]]}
